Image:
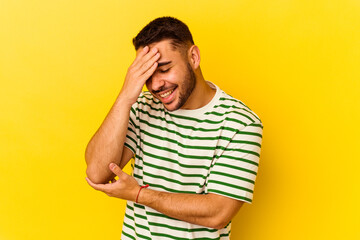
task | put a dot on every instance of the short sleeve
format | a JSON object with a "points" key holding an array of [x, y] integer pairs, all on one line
{"points": [[234, 169], [132, 131]]}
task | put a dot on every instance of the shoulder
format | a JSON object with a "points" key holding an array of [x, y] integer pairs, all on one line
{"points": [[231, 108], [147, 105], [147, 101]]}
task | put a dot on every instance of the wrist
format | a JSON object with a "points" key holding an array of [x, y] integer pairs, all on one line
{"points": [[141, 189], [125, 101]]}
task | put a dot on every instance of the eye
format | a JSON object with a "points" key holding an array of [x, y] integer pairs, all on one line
{"points": [[164, 71]]}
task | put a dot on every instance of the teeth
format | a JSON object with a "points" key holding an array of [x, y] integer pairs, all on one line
{"points": [[166, 94]]}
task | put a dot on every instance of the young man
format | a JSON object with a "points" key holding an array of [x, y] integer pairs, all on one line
{"points": [[196, 149]]}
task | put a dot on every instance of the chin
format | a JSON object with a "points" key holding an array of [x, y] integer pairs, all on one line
{"points": [[172, 106], [170, 109]]}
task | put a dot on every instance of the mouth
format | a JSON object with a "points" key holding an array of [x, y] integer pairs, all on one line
{"points": [[167, 96]]}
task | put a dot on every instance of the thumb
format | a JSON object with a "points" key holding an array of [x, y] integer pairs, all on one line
{"points": [[115, 169]]}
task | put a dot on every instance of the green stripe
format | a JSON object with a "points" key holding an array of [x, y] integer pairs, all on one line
{"points": [[250, 133], [177, 162], [143, 227], [172, 180], [236, 107], [235, 167], [137, 176], [130, 147], [133, 140], [131, 130], [133, 111], [174, 171], [147, 95], [257, 125], [196, 129], [182, 135], [233, 100], [199, 147], [128, 235], [184, 126], [232, 176], [230, 98], [142, 236], [230, 185], [140, 216], [225, 234], [246, 142], [236, 112], [176, 142], [132, 122], [128, 216], [188, 118], [176, 152], [236, 158], [183, 229], [179, 238], [243, 151], [192, 156], [230, 195], [227, 224], [139, 167]]}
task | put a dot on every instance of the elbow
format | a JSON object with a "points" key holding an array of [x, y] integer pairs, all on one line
{"points": [[91, 169], [93, 176], [222, 218], [219, 223], [96, 172], [92, 172]]}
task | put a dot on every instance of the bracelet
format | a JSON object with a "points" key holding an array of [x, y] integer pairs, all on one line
{"points": [[141, 187]]}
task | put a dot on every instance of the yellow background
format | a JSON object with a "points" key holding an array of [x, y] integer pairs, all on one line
{"points": [[295, 63]]}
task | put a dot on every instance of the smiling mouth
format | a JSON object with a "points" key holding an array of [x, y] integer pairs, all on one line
{"points": [[164, 95], [167, 97]]}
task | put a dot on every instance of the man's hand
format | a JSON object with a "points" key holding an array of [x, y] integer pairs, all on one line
{"points": [[139, 71], [125, 187]]}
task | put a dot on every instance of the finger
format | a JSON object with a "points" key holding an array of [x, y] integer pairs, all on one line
{"points": [[141, 54], [144, 59], [99, 187], [149, 56], [146, 75], [115, 169], [146, 66]]}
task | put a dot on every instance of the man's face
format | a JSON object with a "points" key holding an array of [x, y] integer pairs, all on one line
{"points": [[174, 79]]}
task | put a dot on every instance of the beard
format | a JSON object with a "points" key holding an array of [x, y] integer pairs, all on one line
{"points": [[187, 87]]}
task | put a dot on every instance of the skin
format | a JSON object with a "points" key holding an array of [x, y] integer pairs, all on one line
{"points": [[162, 68]]}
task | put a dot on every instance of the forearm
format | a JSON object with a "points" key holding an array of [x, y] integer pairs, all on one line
{"points": [[209, 210], [106, 145]]}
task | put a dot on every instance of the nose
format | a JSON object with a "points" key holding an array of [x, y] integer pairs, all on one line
{"points": [[156, 82]]}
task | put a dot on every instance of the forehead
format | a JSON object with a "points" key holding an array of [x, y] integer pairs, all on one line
{"points": [[166, 49]]}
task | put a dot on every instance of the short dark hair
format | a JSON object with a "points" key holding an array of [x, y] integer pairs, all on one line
{"points": [[164, 28]]}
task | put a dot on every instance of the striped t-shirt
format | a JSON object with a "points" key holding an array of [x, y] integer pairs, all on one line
{"points": [[213, 149]]}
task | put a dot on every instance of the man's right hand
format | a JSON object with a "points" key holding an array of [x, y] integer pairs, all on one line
{"points": [[139, 71]]}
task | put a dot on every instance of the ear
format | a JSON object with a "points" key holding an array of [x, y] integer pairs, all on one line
{"points": [[194, 56]]}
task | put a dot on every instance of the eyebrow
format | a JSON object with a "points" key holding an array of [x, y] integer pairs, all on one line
{"points": [[163, 63]]}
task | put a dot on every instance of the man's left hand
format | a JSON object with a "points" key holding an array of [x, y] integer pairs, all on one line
{"points": [[126, 187]]}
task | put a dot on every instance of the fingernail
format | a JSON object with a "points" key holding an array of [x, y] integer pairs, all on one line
{"points": [[112, 165]]}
